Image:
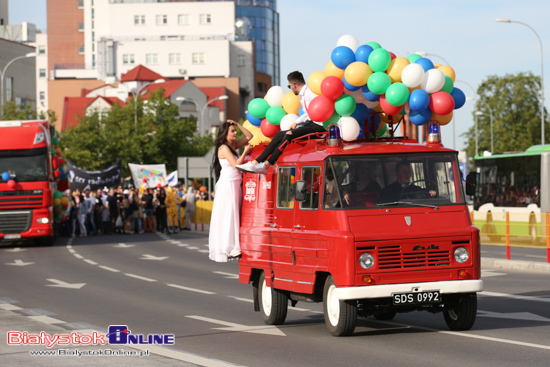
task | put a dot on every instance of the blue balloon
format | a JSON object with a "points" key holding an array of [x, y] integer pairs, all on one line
{"points": [[420, 117], [301, 111], [361, 129], [459, 97], [419, 100], [362, 53], [351, 88], [426, 64], [253, 120], [6, 175], [361, 112], [342, 56], [370, 96]]}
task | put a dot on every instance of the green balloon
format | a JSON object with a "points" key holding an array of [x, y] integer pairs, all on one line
{"points": [[55, 141], [274, 115], [258, 107], [380, 131], [413, 57], [449, 85], [332, 120], [345, 105], [397, 94], [57, 195], [379, 60], [379, 82], [374, 45], [53, 151]]}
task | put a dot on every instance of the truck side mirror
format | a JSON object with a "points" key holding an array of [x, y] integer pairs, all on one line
{"points": [[471, 181], [300, 191]]}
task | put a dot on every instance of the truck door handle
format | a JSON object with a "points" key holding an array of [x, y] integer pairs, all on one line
{"points": [[297, 226], [273, 225]]}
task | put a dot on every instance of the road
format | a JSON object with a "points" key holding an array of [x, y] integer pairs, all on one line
{"points": [[165, 284]]}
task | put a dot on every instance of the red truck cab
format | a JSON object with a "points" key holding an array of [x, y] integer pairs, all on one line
{"points": [[26, 203], [330, 223]]}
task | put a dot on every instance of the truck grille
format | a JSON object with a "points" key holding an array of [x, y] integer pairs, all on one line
{"points": [[20, 199], [15, 222], [393, 257]]}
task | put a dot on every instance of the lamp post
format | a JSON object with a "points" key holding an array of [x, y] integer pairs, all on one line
{"points": [[479, 113], [506, 20], [203, 108], [3, 73], [136, 95]]}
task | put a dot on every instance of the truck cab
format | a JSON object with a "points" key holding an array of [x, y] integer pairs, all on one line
{"points": [[369, 227]]}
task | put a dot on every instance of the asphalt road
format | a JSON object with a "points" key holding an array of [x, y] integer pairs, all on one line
{"points": [[165, 284]]}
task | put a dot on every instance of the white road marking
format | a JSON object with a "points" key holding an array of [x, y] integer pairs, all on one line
{"points": [[204, 251], [526, 316], [46, 319], [72, 251], [16, 249], [110, 269], [227, 275], [183, 245], [230, 326], [62, 284], [19, 263], [242, 299], [513, 296], [488, 273], [151, 257], [90, 261], [9, 307], [536, 256], [140, 277], [78, 256], [123, 245], [69, 246], [189, 289], [192, 248]]}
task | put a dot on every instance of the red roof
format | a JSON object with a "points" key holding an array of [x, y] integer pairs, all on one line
{"points": [[140, 73], [213, 92], [169, 87], [75, 107]]}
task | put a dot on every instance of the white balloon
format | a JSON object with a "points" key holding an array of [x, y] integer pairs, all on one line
{"points": [[349, 128], [287, 120], [433, 81], [357, 95], [349, 41], [412, 75], [274, 96]]}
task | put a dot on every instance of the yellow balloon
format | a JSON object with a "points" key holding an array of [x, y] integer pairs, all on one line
{"points": [[448, 71], [332, 70], [442, 119], [291, 103], [396, 68], [258, 137], [64, 200], [437, 66], [314, 81], [56, 202], [357, 73]]}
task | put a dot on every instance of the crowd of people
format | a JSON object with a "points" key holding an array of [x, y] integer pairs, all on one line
{"points": [[128, 211]]}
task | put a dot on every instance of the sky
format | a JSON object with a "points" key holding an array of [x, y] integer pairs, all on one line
{"points": [[462, 33]]}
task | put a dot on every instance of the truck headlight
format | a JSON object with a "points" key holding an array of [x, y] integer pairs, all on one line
{"points": [[43, 220], [39, 137], [461, 255], [366, 260]]}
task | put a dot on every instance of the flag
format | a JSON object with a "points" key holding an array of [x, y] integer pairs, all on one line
{"points": [[172, 179]]}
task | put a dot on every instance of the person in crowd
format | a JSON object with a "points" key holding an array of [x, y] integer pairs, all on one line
{"points": [[98, 210], [190, 206], [90, 212], [302, 126], [403, 186], [225, 221], [81, 207], [172, 205], [132, 208], [162, 221], [147, 204], [181, 206], [112, 207], [75, 211], [125, 212], [102, 194]]}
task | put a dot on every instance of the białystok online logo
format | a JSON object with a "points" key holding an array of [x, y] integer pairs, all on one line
{"points": [[116, 335]]}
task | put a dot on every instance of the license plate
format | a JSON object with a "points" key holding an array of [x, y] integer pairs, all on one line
{"points": [[415, 298], [12, 236]]}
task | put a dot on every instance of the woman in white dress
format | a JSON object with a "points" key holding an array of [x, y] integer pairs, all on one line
{"points": [[225, 221]]}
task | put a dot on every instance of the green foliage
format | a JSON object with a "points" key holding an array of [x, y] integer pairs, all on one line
{"points": [[514, 101], [13, 111], [157, 136]]}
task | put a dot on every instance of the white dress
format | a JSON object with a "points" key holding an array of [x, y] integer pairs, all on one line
{"points": [[225, 220]]}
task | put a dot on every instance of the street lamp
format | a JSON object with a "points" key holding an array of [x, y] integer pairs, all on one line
{"points": [[479, 113], [136, 95], [3, 72], [506, 20], [203, 108]]}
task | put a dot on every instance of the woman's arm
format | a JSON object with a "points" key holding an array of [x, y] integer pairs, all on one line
{"points": [[247, 135], [225, 153]]}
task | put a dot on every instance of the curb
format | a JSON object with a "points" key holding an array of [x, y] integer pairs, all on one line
{"points": [[515, 265]]}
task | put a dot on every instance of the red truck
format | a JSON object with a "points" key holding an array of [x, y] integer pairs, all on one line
{"points": [[340, 223], [26, 182]]}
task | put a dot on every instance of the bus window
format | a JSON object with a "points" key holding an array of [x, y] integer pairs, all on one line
{"points": [[285, 187], [312, 176]]}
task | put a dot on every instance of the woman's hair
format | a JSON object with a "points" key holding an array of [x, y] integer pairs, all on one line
{"points": [[221, 140]]}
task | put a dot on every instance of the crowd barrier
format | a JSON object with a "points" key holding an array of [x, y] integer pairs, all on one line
{"points": [[514, 229], [202, 215]]}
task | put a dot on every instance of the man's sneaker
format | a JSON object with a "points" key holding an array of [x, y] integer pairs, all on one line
{"points": [[260, 168], [246, 167]]}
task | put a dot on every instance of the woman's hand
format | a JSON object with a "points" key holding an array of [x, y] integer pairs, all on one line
{"points": [[247, 149], [233, 122]]}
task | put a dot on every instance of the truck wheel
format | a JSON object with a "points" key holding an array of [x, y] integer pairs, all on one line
{"points": [[340, 316], [273, 303], [384, 315], [463, 314]]}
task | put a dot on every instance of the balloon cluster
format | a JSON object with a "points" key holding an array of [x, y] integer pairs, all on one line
{"points": [[7, 177], [61, 207]]}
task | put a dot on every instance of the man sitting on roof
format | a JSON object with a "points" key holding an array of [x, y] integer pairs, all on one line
{"points": [[302, 126]]}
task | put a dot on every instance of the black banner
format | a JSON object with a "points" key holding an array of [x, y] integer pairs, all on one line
{"points": [[93, 180]]}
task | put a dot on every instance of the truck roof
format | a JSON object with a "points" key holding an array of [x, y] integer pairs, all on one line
{"points": [[17, 135]]}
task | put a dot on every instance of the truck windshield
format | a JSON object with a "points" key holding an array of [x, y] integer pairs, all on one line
{"points": [[25, 168], [360, 182]]}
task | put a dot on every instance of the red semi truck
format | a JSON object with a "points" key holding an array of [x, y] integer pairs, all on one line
{"points": [[26, 182], [328, 223]]}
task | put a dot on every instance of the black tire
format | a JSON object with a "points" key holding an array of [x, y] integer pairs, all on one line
{"points": [[463, 314], [273, 303], [384, 315], [340, 316]]}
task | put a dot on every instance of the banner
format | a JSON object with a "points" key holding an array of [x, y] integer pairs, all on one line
{"points": [[93, 180], [154, 174], [172, 179]]}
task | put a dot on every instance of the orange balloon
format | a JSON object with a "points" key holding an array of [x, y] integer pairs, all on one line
{"points": [[314, 81], [332, 70], [448, 71], [396, 68], [291, 103], [442, 119], [357, 73]]}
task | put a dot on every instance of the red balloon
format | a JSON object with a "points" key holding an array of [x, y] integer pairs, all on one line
{"points": [[63, 184], [388, 108], [332, 87], [320, 109], [56, 173], [392, 55], [442, 103], [55, 164], [268, 129], [12, 184], [60, 161]]}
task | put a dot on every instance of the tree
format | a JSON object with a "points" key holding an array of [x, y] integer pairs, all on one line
{"points": [[515, 104], [13, 111]]}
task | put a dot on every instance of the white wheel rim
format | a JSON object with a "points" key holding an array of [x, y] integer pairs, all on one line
{"points": [[333, 306], [266, 298]]}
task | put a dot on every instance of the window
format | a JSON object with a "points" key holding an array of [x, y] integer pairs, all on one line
{"points": [[9, 89], [241, 60], [139, 20], [183, 19], [175, 59], [42, 73], [81, 49], [204, 19], [80, 4], [188, 106], [162, 19], [42, 95], [311, 175], [128, 59], [198, 58], [285, 187], [41, 50], [151, 59], [81, 27]]}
